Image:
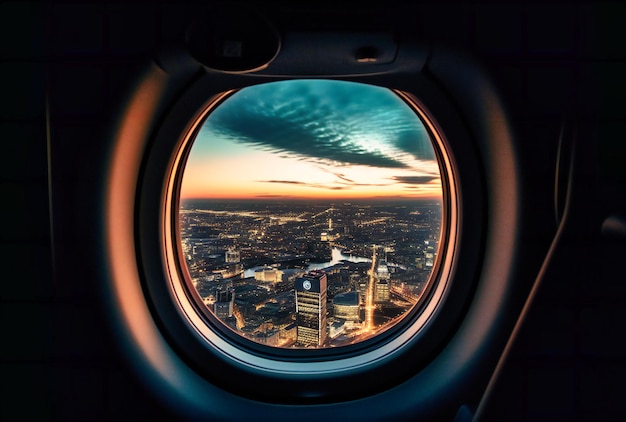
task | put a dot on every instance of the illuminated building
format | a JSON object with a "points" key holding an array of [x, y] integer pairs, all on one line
{"points": [[383, 271], [429, 254], [268, 274], [362, 289], [288, 334], [430, 258], [382, 291], [311, 309], [330, 235], [382, 286], [346, 306], [336, 328], [233, 256], [224, 304]]}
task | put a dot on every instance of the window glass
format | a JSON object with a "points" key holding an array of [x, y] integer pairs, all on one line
{"points": [[311, 212]]}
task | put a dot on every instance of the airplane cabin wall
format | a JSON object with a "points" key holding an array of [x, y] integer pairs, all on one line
{"points": [[66, 68]]}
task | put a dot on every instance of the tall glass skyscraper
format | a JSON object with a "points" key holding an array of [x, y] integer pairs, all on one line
{"points": [[311, 309]]}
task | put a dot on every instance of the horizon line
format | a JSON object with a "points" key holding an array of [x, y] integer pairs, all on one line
{"points": [[310, 198]]}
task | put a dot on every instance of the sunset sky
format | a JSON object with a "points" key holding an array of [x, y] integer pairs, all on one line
{"points": [[312, 139]]}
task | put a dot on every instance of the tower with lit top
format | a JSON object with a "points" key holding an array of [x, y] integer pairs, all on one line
{"points": [[311, 309]]}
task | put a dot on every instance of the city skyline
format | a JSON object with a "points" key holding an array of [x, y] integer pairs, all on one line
{"points": [[312, 139], [310, 275]]}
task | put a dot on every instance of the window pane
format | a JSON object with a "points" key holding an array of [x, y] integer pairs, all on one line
{"points": [[311, 212]]}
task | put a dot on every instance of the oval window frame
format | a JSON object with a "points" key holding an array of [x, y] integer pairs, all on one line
{"points": [[409, 325], [346, 380]]}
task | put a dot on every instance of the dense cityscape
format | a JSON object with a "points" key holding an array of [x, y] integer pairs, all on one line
{"points": [[309, 274]]}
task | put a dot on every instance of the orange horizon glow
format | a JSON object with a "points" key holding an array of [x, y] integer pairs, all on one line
{"points": [[254, 174], [322, 198], [431, 192], [326, 143]]}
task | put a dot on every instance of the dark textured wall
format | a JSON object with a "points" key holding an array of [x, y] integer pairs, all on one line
{"points": [[65, 68]]}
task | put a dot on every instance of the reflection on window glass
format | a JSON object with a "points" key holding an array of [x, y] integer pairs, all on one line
{"points": [[310, 212]]}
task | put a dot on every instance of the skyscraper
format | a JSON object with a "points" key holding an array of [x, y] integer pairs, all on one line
{"points": [[311, 309], [224, 302]]}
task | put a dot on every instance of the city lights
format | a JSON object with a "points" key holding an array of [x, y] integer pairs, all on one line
{"points": [[311, 212]]}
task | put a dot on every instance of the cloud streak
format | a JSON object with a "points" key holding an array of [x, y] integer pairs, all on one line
{"points": [[308, 184], [326, 122], [415, 180]]}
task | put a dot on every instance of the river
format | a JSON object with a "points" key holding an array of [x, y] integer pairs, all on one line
{"points": [[336, 257]]}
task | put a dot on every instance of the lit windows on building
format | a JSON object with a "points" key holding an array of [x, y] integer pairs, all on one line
{"points": [[382, 291], [268, 274], [346, 306], [382, 285], [362, 290], [311, 309], [233, 256], [383, 270], [223, 306]]}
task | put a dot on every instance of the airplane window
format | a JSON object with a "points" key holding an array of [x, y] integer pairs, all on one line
{"points": [[311, 234], [311, 213]]}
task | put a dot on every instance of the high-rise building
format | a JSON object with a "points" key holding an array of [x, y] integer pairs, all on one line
{"points": [[362, 289], [232, 256], [224, 301], [383, 270], [311, 309], [382, 291]]}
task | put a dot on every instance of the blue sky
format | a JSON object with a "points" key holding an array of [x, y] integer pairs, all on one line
{"points": [[312, 138]]}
